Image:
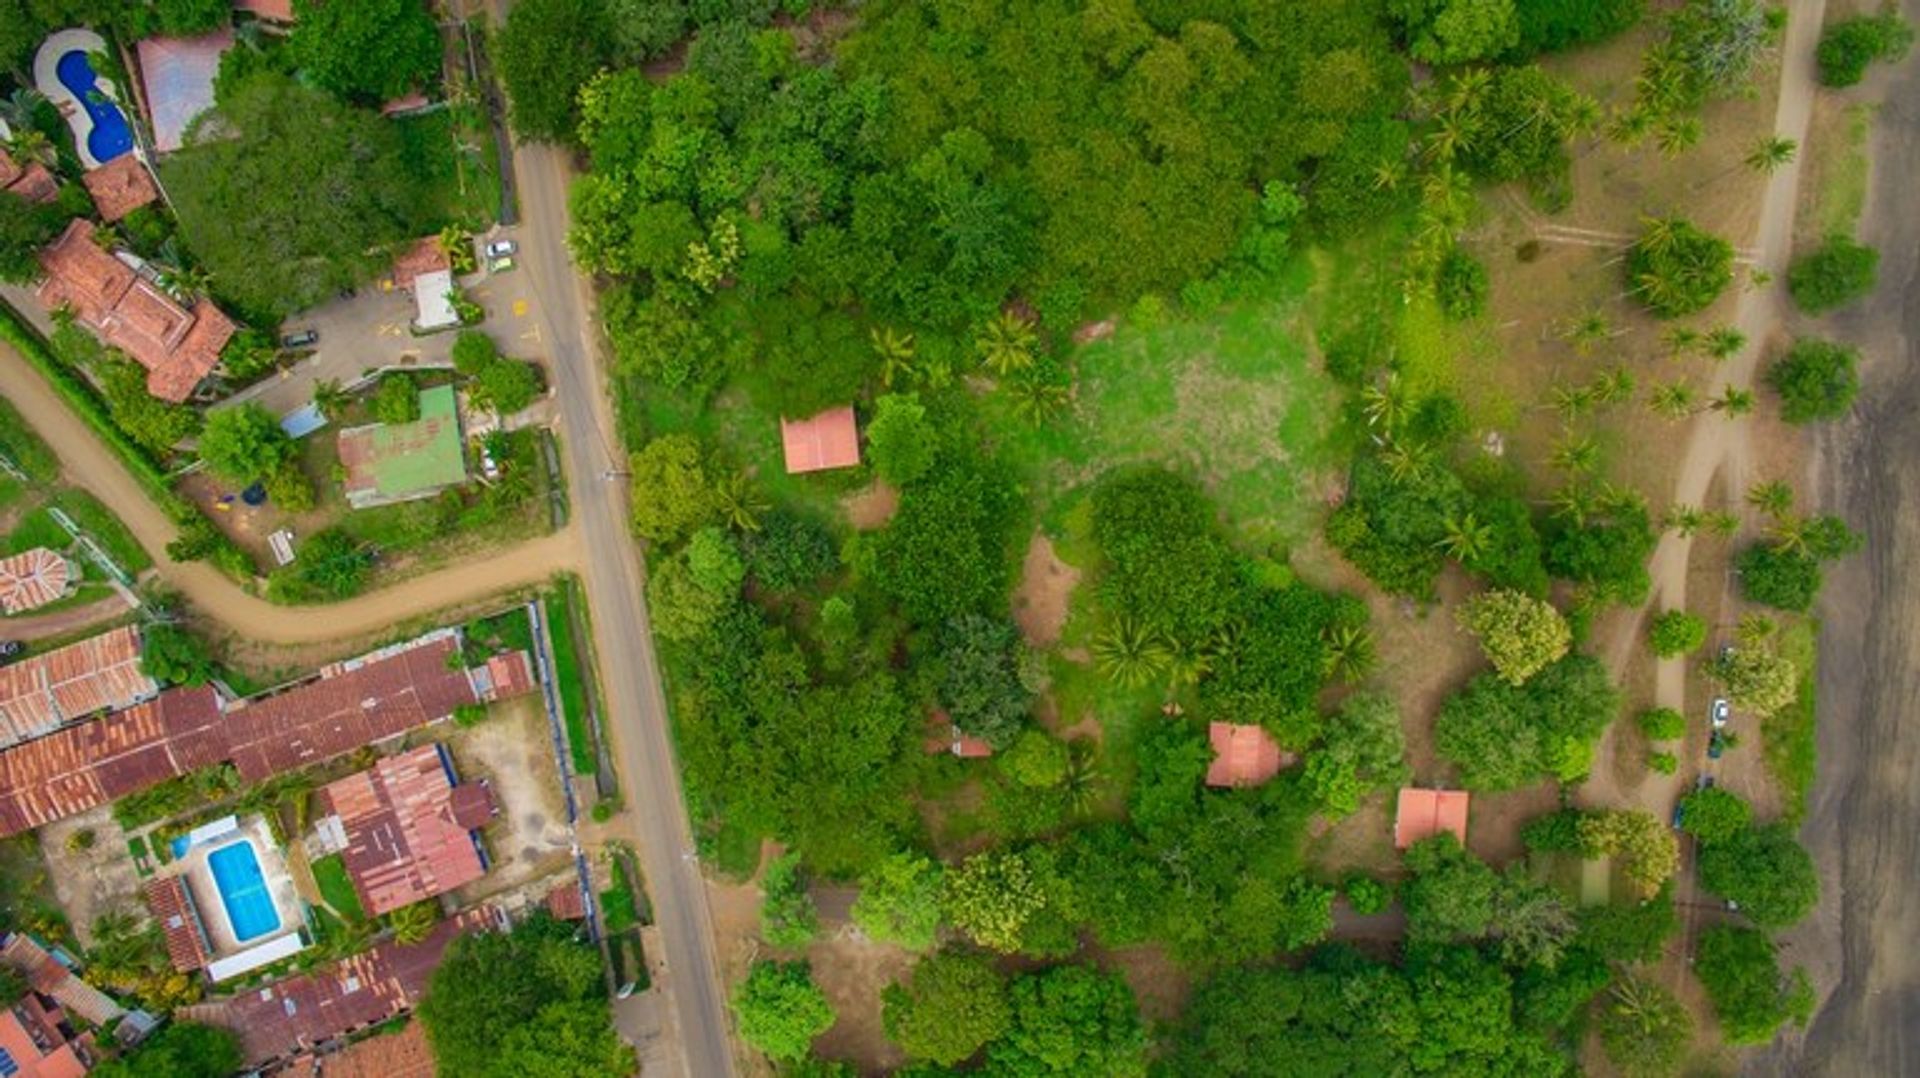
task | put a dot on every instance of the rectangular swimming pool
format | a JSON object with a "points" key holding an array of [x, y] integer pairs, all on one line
{"points": [[243, 891]]}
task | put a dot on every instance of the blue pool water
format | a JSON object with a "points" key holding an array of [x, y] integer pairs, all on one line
{"points": [[179, 845], [243, 891], [110, 136]]}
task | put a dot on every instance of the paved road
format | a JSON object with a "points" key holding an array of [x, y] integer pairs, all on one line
{"points": [[1864, 821], [635, 706]]}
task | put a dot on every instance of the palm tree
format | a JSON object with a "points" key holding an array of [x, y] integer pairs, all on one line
{"points": [[1577, 454], [1349, 654], [896, 352], [1660, 234], [1677, 135], [1611, 386], [1686, 519], [1725, 342], [1673, 400], [1587, 332], [1407, 461], [1384, 404], [31, 144], [1770, 153], [1721, 522], [1753, 629], [1733, 401], [1130, 652], [1037, 399], [1387, 175], [1681, 340], [1006, 344], [330, 398], [20, 107], [1789, 534], [458, 247], [1467, 539], [1573, 502], [1571, 402], [413, 923], [739, 504], [1081, 781], [1186, 665], [1773, 497]]}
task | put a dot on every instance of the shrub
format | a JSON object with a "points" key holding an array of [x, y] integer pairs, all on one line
{"points": [[1783, 579], [1676, 268], [1367, 895], [1816, 380], [1850, 45], [1832, 276], [1461, 285], [1665, 763], [1750, 994], [395, 400], [1676, 632], [1662, 724]]}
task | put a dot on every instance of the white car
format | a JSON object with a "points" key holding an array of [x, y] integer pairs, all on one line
{"points": [[1721, 713], [501, 248]]}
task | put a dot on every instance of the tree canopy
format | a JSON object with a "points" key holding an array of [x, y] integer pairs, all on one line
{"points": [[1751, 995], [1519, 634], [1071, 1020], [1765, 870], [1832, 275], [1676, 268], [1502, 736], [949, 1007], [244, 443], [181, 1050], [1816, 380], [367, 51], [780, 1010]]}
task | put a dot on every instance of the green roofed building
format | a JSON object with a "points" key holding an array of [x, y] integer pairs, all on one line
{"points": [[397, 462]]}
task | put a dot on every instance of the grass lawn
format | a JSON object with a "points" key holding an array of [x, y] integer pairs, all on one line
{"points": [[36, 529], [24, 450], [330, 873], [509, 631], [570, 672], [619, 906], [461, 185], [1790, 747], [98, 521]]}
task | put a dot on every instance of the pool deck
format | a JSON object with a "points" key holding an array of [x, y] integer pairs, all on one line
{"points": [[213, 909], [46, 79]]}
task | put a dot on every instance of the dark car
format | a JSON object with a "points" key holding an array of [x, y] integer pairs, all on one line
{"points": [[1716, 745], [11, 650], [301, 338]]}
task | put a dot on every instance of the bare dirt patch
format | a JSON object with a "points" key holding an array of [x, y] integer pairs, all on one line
{"points": [[510, 749], [853, 970], [869, 508], [91, 881], [1041, 604]]}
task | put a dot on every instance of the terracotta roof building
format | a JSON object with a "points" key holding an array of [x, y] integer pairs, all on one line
{"points": [[566, 903], [424, 257], [289, 1017], [121, 186], [1243, 755], [271, 10], [405, 1054], [43, 692], [46, 975], [173, 907], [32, 1044], [31, 181], [178, 346], [33, 578], [1426, 813], [409, 831], [826, 441], [85, 766]]}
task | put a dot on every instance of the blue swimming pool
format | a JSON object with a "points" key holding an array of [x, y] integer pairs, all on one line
{"points": [[243, 891], [110, 136]]}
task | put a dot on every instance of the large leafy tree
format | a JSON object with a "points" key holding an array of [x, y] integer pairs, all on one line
{"points": [[1833, 274], [500, 999], [979, 685], [547, 52], [950, 1007], [1757, 678], [781, 1010], [1519, 633], [1457, 31], [1766, 871], [1751, 996], [788, 917], [1502, 736], [366, 51], [244, 443], [181, 1050], [297, 197], [1072, 1020], [1676, 268], [993, 896], [1816, 380], [679, 489], [1644, 1029], [1450, 895], [24, 229], [1363, 748], [900, 901]]}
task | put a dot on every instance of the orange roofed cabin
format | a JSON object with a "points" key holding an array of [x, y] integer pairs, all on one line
{"points": [[826, 441], [1425, 813], [1243, 755]]}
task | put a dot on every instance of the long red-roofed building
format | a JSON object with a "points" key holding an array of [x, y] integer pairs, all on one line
{"points": [[178, 346], [409, 828], [88, 765], [1423, 814], [43, 692]]}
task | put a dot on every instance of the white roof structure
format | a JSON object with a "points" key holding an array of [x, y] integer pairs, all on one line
{"points": [[432, 310], [32, 579]]}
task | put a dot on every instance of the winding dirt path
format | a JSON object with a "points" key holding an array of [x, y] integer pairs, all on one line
{"points": [[88, 463], [62, 622]]}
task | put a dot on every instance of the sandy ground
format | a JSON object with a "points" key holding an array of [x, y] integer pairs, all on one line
{"points": [[1864, 814], [1040, 607], [529, 839], [92, 881]]}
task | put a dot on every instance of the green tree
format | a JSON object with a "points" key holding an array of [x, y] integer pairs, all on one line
{"points": [[496, 995], [1461, 285], [979, 683], [1450, 894], [171, 654], [1816, 380], [1036, 760], [689, 591], [1006, 344], [991, 897], [181, 1050], [1676, 268], [1780, 577], [1503, 736], [679, 495], [1663, 724], [1676, 632], [949, 1008], [395, 400], [414, 922], [1715, 815], [244, 443], [900, 901], [1751, 996], [787, 914], [368, 51], [1848, 45], [1766, 871], [900, 440], [1457, 31], [1519, 634], [1644, 1029], [548, 50], [1757, 679], [1642, 846], [332, 565], [1832, 275], [780, 1010], [24, 229], [1072, 1020], [506, 386], [1363, 748]]}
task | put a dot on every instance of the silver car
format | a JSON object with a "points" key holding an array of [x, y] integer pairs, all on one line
{"points": [[501, 248], [1721, 713]]}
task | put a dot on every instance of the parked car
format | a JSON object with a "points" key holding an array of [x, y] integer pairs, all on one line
{"points": [[1721, 713], [301, 338], [1679, 811], [1716, 745], [499, 265], [1704, 782], [11, 650], [501, 248]]}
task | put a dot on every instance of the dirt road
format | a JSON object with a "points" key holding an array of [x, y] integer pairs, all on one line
{"points": [[1864, 822], [88, 463]]}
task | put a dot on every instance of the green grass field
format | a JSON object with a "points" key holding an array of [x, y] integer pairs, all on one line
{"points": [[98, 521], [570, 672], [1790, 748], [330, 873]]}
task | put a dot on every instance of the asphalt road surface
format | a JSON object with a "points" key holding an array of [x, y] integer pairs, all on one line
{"points": [[635, 707], [1864, 820]]}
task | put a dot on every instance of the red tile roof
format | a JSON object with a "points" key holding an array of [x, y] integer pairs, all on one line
{"points": [[1243, 755], [121, 186], [286, 1017], [32, 579], [48, 977], [508, 676], [172, 906], [828, 440], [1426, 813], [32, 182], [405, 1054], [276, 10], [85, 766], [67, 684], [32, 1039], [425, 256], [404, 843], [566, 903], [178, 346]]}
